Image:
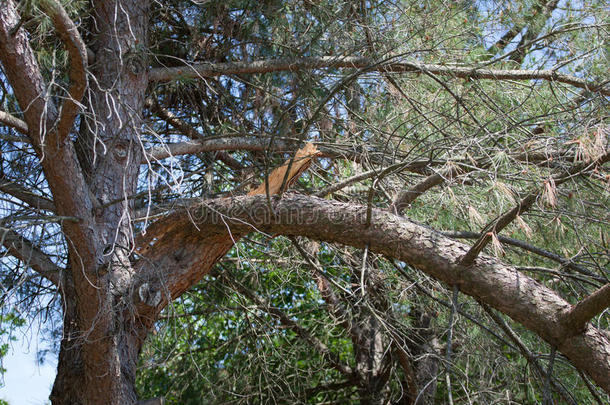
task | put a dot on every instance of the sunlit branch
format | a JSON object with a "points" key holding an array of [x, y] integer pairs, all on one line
{"points": [[497, 284], [280, 65], [255, 143]]}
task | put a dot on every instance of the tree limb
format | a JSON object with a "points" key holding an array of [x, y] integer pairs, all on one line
{"points": [[530, 248], [177, 242], [505, 219], [14, 123], [61, 167], [281, 65], [33, 257], [587, 309], [27, 196], [257, 143], [77, 53], [525, 352], [188, 130], [303, 333]]}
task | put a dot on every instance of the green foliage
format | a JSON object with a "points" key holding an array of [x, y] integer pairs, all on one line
{"points": [[8, 322]]}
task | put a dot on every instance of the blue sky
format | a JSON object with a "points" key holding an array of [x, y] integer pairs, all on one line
{"points": [[25, 382]]}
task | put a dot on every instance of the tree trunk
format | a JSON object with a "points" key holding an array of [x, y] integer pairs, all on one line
{"points": [[102, 338], [110, 379]]}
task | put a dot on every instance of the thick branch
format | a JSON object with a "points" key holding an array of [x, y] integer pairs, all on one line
{"points": [[14, 123], [33, 257], [588, 308], [77, 52], [177, 243], [56, 153], [25, 195], [282, 65]]}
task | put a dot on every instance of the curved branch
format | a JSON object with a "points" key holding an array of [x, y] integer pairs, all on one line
{"points": [[282, 65], [182, 251], [44, 122], [77, 53]]}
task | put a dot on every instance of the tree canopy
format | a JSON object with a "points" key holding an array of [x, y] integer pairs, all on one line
{"points": [[310, 201]]}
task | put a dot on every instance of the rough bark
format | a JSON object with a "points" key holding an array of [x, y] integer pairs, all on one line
{"points": [[105, 337], [499, 285]]}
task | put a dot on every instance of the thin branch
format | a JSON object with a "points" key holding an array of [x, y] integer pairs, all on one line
{"points": [[33, 257], [530, 248], [258, 143], [581, 313], [188, 130], [546, 395], [251, 143], [293, 65], [287, 321], [454, 306], [529, 19], [406, 197], [525, 352], [504, 220], [332, 301]]}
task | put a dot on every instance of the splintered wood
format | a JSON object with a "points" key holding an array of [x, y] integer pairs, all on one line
{"points": [[186, 253], [300, 163]]}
